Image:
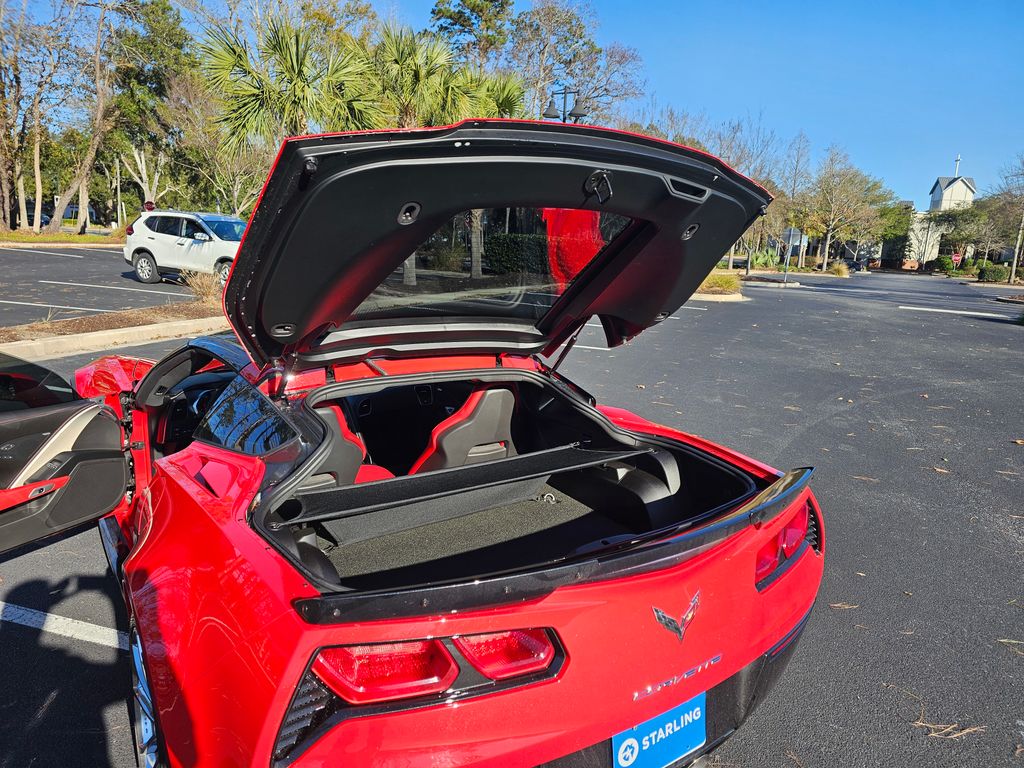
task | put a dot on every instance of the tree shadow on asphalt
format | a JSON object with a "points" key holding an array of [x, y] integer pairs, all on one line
{"points": [[51, 711]]}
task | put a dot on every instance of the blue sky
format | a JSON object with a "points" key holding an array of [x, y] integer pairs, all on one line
{"points": [[903, 85]]}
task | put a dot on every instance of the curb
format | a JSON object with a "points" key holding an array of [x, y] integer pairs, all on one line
{"points": [[96, 341], [718, 297], [769, 281], [1009, 300], [33, 245]]}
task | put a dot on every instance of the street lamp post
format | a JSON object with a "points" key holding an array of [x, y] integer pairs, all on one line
{"points": [[553, 113]]}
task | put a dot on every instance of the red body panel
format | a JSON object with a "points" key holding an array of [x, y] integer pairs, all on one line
{"points": [[225, 648]]}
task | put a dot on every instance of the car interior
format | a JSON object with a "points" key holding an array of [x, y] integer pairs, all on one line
{"points": [[436, 481]]}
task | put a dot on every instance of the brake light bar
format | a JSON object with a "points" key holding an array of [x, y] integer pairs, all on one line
{"points": [[501, 655]]}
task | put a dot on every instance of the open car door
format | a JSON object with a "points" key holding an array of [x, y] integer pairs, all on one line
{"points": [[61, 457]]}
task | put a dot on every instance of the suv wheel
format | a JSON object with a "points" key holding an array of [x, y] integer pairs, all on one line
{"points": [[145, 267], [223, 269]]}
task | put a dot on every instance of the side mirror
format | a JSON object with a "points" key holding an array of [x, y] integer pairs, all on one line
{"points": [[201, 236]]}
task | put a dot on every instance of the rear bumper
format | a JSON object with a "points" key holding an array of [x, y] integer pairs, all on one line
{"points": [[728, 704]]}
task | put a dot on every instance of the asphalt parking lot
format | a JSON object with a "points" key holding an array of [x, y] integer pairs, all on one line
{"points": [[907, 394], [59, 283]]}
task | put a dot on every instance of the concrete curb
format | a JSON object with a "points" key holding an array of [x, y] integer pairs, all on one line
{"points": [[101, 341], [1009, 300], [34, 245], [718, 297]]}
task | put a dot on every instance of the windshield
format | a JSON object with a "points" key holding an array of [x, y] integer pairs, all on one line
{"points": [[226, 229], [506, 262]]}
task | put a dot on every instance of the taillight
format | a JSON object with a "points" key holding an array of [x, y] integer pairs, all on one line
{"points": [[365, 674], [129, 230], [501, 655], [785, 545]]}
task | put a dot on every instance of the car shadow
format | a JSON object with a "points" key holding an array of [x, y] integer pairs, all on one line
{"points": [[55, 698], [63, 698]]}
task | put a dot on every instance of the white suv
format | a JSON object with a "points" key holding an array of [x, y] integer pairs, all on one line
{"points": [[172, 241]]}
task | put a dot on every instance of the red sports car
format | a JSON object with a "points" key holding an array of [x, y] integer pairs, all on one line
{"points": [[380, 528]]}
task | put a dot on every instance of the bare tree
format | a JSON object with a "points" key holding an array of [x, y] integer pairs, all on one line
{"points": [[1012, 185], [843, 202], [236, 177], [94, 23]]}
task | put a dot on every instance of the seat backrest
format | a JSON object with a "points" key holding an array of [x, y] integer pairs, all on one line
{"points": [[347, 452], [346, 463], [481, 430]]}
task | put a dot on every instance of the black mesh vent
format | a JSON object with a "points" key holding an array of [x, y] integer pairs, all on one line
{"points": [[813, 528], [308, 709]]}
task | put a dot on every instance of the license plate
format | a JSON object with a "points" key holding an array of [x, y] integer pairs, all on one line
{"points": [[664, 739]]}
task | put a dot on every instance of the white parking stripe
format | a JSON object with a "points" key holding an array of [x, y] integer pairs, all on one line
{"points": [[598, 349], [47, 253], [63, 626], [55, 306], [957, 312], [116, 288]]}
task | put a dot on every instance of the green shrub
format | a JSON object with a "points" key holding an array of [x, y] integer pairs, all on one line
{"points": [[512, 253], [447, 257], [970, 270], [719, 282], [839, 269], [942, 264], [994, 273]]}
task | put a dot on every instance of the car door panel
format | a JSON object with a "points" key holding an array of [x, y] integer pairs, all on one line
{"points": [[195, 254], [61, 465], [168, 251]]}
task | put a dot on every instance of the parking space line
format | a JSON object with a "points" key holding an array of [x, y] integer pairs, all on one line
{"points": [[968, 313], [598, 349], [63, 626], [54, 306], [116, 288], [47, 253]]}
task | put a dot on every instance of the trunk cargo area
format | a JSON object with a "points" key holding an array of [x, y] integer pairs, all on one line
{"points": [[476, 478]]}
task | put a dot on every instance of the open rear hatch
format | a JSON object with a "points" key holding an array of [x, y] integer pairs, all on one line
{"points": [[486, 236]]}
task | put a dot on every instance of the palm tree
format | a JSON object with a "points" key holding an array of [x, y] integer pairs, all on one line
{"points": [[289, 86], [421, 84]]}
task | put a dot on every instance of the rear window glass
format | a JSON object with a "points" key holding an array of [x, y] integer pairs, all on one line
{"points": [[505, 262], [243, 420]]}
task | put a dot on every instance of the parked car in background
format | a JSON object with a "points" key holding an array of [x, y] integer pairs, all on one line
{"points": [[174, 241], [375, 527]]}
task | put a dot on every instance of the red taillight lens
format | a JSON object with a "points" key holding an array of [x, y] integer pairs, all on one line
{"points": [[794, 533], [365, 674], [128, 230], [501, 655], [767, 560], [783, 545]]}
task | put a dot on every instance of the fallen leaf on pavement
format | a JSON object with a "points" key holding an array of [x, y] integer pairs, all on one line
{"points": [[1012, 645], [940, 469], [1018, 442], [868, 479], [843, 606], [861, 574], [792, 408], [925, 396]]}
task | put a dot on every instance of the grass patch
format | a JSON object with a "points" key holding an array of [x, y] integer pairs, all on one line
{"points": [[720, 283], [839, 269], [205, 286], [18, 236], [128, 318]]}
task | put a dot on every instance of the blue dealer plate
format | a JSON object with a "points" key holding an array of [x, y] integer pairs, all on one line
{"points": [[662, 740]]}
